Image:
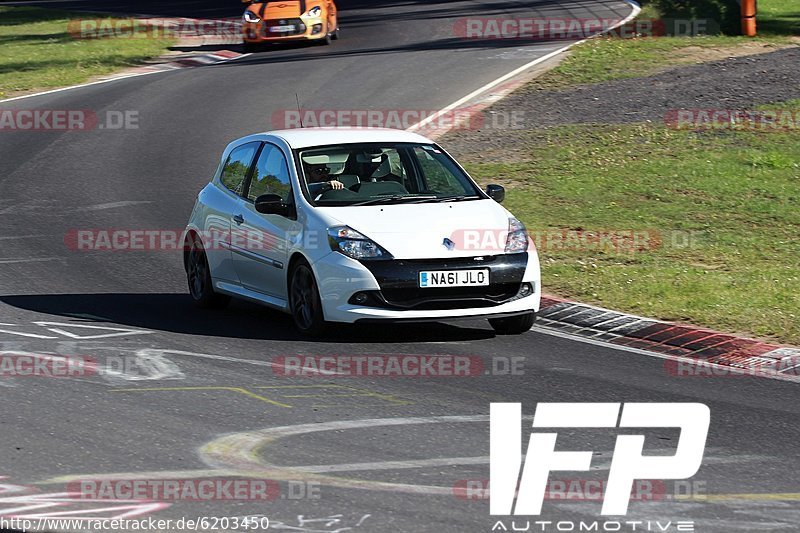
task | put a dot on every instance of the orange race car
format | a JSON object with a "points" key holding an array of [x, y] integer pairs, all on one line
{"points": [[289, 20]]}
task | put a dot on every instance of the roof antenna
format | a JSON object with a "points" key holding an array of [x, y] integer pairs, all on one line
{"points": [[299, 112]]}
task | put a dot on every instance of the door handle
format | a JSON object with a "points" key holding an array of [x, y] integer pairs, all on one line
{"points": [[239, 219]]}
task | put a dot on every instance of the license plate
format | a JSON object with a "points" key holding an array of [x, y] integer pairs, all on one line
{"points": [[454, 278], [281, 29]]}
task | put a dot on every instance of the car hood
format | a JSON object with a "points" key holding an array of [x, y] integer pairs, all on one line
{"points": [[279, 10], [418, 231]]}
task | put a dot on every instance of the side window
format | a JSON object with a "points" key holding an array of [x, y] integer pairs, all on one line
{"points": [[237, 166], [271, 175]]}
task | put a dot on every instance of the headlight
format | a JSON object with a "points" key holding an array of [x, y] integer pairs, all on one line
{"points": [[353, 244], [314, 12], [517, 240], [249, 16]]}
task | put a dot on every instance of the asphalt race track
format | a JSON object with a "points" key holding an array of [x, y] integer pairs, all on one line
{"points": [[202, 388]]}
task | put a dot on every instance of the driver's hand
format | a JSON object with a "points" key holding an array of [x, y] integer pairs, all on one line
{"points": [[336, 184]]}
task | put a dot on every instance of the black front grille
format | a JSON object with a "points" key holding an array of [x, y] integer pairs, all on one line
{"points": [[450, 297], [399, 282], [299, 27]]}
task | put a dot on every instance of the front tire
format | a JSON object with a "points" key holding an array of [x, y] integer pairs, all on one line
{"points": [[198, 275], [513, 325], [304, 301]]}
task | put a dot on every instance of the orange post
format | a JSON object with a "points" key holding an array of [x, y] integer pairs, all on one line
{"points": [[749, 18]]}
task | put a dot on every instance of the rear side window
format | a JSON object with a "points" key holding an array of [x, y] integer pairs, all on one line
{"points": [[237, 167]]}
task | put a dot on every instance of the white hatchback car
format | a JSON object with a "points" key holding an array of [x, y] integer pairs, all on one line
{"points": [[358, 225]]}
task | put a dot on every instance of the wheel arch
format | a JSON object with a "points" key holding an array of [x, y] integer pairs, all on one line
{"points": [[191, 233]]}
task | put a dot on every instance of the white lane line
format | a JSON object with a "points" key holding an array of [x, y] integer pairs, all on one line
{"points": [[118, 332], [14, 237], [688, 360], [31, 260], [636, 9], [394, 465], [453, 461], [23, 334], [62, 89], [109, 80]]}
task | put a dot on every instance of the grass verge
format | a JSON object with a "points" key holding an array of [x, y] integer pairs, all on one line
{"points": [[719, 207], [38, 52], [720, 210], [610, 58]]}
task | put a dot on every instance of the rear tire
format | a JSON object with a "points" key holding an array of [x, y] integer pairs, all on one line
{"points": [[513, 325], [198, 275], [304, 301]]}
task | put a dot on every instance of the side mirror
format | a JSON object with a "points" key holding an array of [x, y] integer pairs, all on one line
{"points": [[272, 204], [496, 193]]}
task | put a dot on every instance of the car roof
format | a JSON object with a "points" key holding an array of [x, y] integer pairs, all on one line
{"points": [[305, 137]]}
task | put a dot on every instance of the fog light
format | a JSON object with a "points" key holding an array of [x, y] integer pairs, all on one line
{"points": [[316, 28], [526, 289], [360, 298]]}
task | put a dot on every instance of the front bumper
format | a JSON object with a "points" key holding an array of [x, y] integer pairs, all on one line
{"points": [[394, 294], [304, 29]]}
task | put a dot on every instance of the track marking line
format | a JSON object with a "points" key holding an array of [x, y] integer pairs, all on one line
{"points": [[164, 68], [23, 334], [119, 332], [238, 390], [355, 392]]}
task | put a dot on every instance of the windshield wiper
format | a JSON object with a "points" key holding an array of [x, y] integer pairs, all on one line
{"points": [[395, 198], [457, 198]]}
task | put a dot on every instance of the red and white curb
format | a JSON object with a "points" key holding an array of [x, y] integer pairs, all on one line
{"points": [[220, 56], [695, 351]]}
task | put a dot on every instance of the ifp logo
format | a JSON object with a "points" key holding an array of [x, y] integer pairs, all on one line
{"points": [[627, 465]]}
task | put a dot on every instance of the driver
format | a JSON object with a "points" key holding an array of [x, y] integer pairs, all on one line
{"points": [[317, 171]]}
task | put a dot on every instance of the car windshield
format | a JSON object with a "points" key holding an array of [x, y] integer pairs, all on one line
{"points": [[371, 174]]}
